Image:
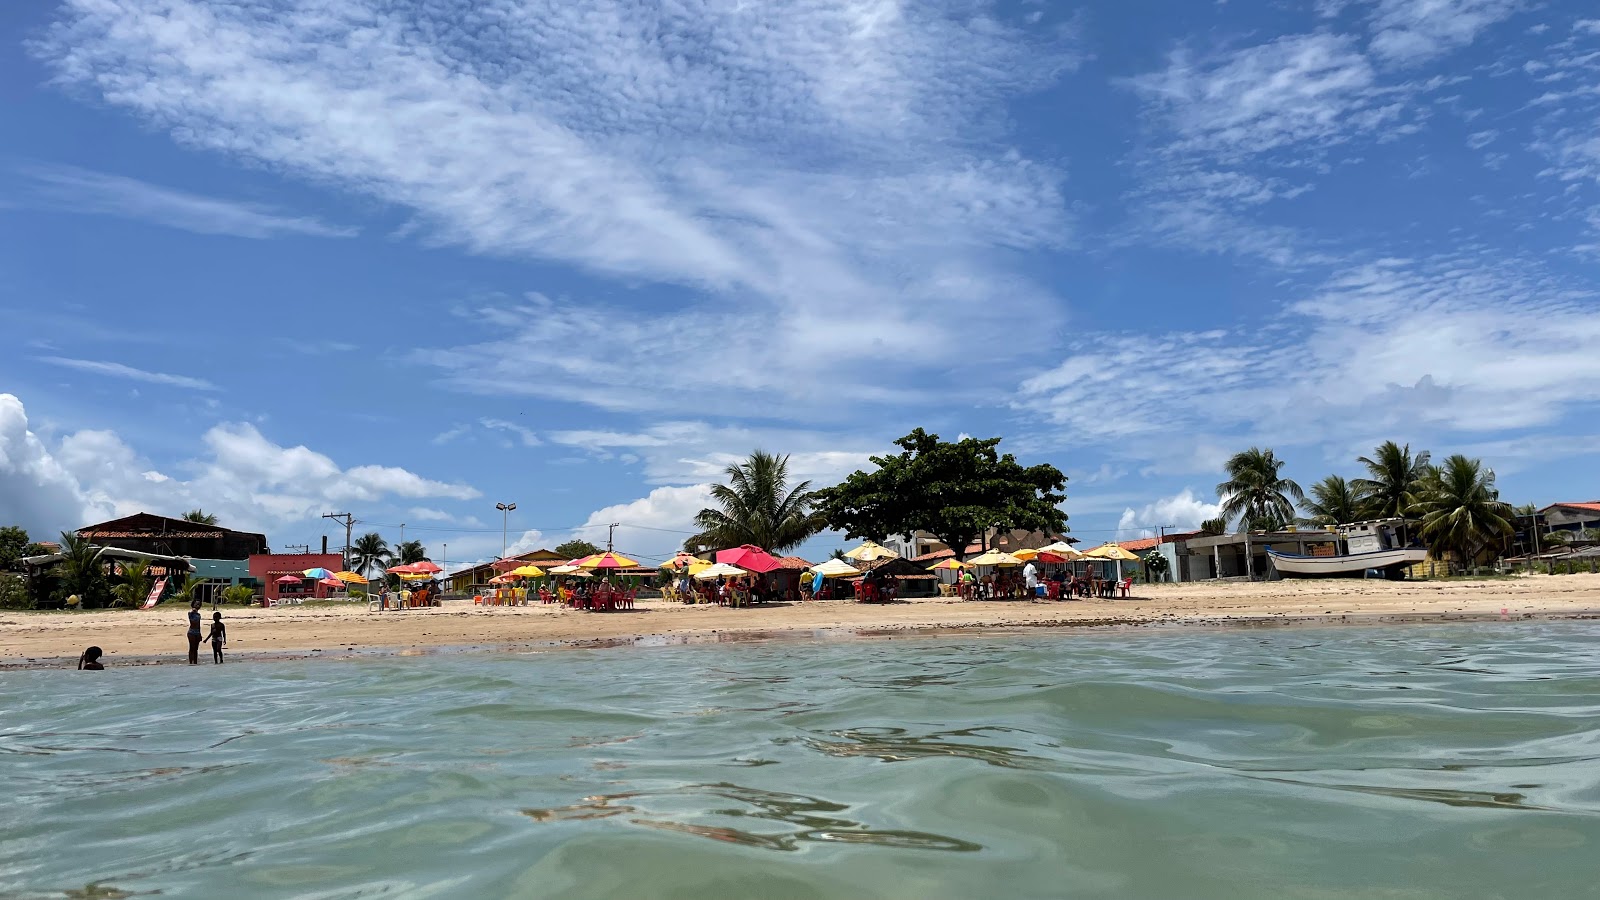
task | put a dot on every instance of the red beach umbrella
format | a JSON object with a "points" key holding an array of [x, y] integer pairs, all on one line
{"points": [[750, 558], [289, 579], [426, 567]]}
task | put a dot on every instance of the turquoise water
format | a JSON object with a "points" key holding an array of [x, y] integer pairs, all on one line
{"points": [[1450, 762]]}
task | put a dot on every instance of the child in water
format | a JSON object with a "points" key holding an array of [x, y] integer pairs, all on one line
{"points": [[90, 660], [218, 637]]}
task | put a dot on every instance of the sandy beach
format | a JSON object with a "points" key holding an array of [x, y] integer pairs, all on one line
{"points": [[39, 639]]}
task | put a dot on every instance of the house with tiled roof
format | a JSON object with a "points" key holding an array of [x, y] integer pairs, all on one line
{"points": [[1575, 517]]}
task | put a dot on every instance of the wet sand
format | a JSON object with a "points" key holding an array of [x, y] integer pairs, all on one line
{"points": [[42, 639]]}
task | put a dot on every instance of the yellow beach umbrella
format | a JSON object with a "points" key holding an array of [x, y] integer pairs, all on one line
{"points": [[996, 558], [698, 566], [948, 564], [528, 571], [869, 551], [414, 576], [350, 578], [835, 568], [1025, 554], [1111, 551]]}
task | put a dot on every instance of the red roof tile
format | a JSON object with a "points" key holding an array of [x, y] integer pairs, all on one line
{"points": [[1593, 506], [794, 562]]}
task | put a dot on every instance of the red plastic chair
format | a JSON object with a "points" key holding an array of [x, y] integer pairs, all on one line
{"points": [[1127, 585]]}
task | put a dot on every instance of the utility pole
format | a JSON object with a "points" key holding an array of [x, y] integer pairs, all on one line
{"points": [[611, 531], [349, 521], [505, 523]]}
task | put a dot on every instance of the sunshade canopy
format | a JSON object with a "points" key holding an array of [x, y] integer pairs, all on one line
{"points": [[565, 569], [289, 579], [317, 573], [835, 568], [948, 564], [426, 566], [350, 577], [720, 569], [331, 582], [995, 558], [607, 560], [528, 571], [1062, 548], [869, 551], [750, 558], [1111, 551]]}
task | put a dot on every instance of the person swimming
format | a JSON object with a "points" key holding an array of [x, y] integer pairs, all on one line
{"points": [[90, 660]]}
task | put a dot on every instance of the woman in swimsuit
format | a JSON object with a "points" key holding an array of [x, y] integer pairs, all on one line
{"points": [[194, 632]]}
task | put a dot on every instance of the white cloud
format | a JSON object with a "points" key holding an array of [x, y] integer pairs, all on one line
{"points": [[1407, 32], [250, 482], [1446, 346], [796, 167], [118, 370], [525, 436], [680, 452], [80, 190], [1181, 512], [36, 492], [654, 526]]}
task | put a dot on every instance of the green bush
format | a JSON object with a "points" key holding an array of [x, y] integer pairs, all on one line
{"points": [[14, 593]]}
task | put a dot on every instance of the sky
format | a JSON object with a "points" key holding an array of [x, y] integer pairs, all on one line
{"points": [[408, 260]]}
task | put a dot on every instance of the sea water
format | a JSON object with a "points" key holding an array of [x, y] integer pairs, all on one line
{"points": [[1409, 763]]}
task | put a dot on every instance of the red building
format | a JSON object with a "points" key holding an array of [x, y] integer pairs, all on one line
{"points": [[267, 568]]}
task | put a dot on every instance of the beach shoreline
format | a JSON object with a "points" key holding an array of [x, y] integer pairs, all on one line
{"points": [[54, 639]]}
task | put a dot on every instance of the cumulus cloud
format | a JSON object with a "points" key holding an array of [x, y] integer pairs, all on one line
{"points": [[249, 481], [655, 524], [1181, 512]]}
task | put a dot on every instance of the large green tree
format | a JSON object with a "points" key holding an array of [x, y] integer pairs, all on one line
{"points": [[81, 572], [13, 546], [370, 551], [1394, 475], [1333, 501], [757, 506], [200, 516], [576, 549], [1256, 494], [1461, 511], [954, 490]]}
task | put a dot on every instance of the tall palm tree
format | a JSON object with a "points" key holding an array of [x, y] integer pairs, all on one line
{"points": [[200, 516], [1333, 502], [1256, 493], [1394, 475], [370, 550], [757, 506], [1219, 525], [1461, 510], [408, 552]]}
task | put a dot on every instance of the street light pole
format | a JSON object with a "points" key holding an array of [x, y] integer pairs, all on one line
{"points": [[505, 522]]}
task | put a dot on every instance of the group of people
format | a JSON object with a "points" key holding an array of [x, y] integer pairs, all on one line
{"points": [[1010, 585], [726, 591], [89, 659]]}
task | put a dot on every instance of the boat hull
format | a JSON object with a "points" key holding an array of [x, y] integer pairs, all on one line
{"points": [[1389, 562]]}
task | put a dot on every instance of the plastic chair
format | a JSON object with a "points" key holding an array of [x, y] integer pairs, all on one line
{"points": [[1127, 585]]}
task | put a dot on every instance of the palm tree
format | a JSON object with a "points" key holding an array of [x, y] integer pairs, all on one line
{"points": [[82, 573], [1219, 525], [1256, 493], [1333, 502], [758, 507], [370, 550], [200, 516], [1461, 510], [408, 552], [135, 585], [1394, 475]]}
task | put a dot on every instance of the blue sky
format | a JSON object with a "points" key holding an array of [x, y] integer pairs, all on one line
{"points": [[407, 260]]}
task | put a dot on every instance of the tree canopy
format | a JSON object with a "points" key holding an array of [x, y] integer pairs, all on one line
{"points": [[757, 506], [1394, 476], [1256, 493], [1462, 513], [200, 516], [576, 549], [370, 550], [954, 490], [13, 543], [1333, 501]]}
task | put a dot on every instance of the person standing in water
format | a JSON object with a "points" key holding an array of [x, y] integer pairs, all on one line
{"points": [[218, 638], [194, 632], [90, 660]]}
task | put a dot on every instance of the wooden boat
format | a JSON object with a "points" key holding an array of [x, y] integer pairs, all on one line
{"points": [[1366, 548]]}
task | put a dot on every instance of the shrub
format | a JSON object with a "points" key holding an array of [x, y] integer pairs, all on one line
{"points": [[14, 592]]}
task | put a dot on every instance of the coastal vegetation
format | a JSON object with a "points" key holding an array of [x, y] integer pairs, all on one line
{"points": [[1332, 501], [1462, 514], [1256, 494], [576, 549], [758, 506], [369, 551], [200, 517], [956, 491]]}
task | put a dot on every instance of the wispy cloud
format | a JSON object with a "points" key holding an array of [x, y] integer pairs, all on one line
{"points": [[526, 436], [797, 166], [1409, 32], [83, 191], [118, 370]]}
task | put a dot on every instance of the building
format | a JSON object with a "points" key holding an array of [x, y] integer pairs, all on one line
{"points": [[267, 568], [1571, 517], [1173, 546], [474, 578], [1244, 555], [150, 533], [218, 575], [930, 549]]}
